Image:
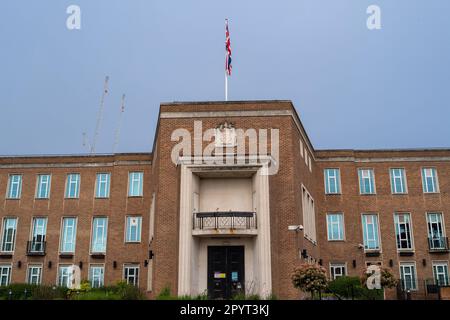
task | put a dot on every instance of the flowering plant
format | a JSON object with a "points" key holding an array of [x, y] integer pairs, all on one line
{"points": [[309, 278], [387, 279]]}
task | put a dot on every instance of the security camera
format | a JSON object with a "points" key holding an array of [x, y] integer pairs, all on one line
{"points": [[295, 228]]}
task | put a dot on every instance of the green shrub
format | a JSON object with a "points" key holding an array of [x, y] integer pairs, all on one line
{"points": [[44, 292], [165, 294], [351, 287], [19, 291]]}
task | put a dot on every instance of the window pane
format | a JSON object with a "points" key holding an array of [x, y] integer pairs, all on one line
{"points": [[99, 235], [133, 229], [8, 234], [15, 186], [68, 235], [73, 185], [103, 185], [135, 184]]}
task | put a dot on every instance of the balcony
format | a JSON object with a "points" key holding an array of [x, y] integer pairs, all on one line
{"points": [[221, 223], [438, 244], [36, 248]]}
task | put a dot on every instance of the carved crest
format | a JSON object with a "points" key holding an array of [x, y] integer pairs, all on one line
{"points": [[225, 135]]}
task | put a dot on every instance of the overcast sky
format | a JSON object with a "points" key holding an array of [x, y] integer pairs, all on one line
{"points": [[353, 87]]}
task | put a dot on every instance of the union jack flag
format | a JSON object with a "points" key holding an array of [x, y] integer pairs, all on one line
{"points": [[227, 49]]}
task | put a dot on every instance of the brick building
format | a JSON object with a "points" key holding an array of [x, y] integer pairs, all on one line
{"points": [[217, 207]]}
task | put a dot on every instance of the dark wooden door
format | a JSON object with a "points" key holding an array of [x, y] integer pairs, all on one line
{"points": [[226, 268]]}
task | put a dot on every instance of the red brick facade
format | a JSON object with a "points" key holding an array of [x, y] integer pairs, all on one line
{"points": [[299, 165]]}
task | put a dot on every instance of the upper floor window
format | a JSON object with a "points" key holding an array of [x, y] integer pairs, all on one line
{"points": [[403, 231], [43, 186], [38, 234], [408, 276], [366, 181], [436, 231], [102, 185], [332, 181], [8, 238], [73, 185], [335, 226], [5, 274], [429, 180], [68, 234], [398, 180], [14, 186], [337, 270], [133, 229], [135, 184], [370, 232], [99, 234], [309, 220]]}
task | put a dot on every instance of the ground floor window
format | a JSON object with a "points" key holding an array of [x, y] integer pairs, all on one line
{"points": [[5, 275], [440, 273], [337, 270], [131, 274], [408, 276], [65, 275], [97, 275], [34, 274]]}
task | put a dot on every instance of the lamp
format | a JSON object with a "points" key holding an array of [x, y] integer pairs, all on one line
{"points": [[49, 264], [114, 264], [354, 263]]}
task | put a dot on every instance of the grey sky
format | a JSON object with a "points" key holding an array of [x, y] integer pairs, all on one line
{"points": [[353, 88]]}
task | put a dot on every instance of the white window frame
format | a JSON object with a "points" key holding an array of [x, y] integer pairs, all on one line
{"points": [[128, 229], [38, 230], [393, 176], [8, 275], [9, 190], [337, 180], [99, 181], [334, 266], [69, 275], [92, 276], [365, 228], [71, 181], [132, 266], [441, 222], [397, 225], [39, 186], [341, 226], [30, 267], [10, 241], [362, 175], [409, 264], [63, 234], [435, 179], [435, 265], [131, 180], [309, 216], [93, 232]]}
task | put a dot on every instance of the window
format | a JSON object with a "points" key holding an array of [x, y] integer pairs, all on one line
{"points": [[135, 184], [370, 232], [403, 231], [429, 180], [133, 227], [96, 276], [440, 273], [14, 186], [398, 180], [43, 186], [335, 226], [8, 239], [131, 274], [65, 275], [73, 185], [5, 274], [68, 234], [366, 181], [436, 235], [309, 221], [34, 274], [332, 181], [102, 186], [408, 277], [39, 230], [99, 234], [337, 270]]}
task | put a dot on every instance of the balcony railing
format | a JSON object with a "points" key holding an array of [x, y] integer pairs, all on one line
{"points": [[36, 248], [438, 244], [224, 220]]}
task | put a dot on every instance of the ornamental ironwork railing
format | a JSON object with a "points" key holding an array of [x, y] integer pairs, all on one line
{"points": [[224, 220]]}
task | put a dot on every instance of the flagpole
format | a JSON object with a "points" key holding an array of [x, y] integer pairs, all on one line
{"points": [[226, 86]]}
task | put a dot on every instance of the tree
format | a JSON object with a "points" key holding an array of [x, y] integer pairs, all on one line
{"points": [[309, 278]]}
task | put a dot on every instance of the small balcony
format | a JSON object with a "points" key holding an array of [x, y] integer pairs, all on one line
{"points": [[36, 248], [222, 223], [438, 244]]}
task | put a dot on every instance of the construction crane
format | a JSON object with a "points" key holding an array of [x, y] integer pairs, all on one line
{"points": [[99, 115], [117, 133]]}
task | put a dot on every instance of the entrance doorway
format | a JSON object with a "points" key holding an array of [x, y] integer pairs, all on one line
{"points": [[225, 271]]}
